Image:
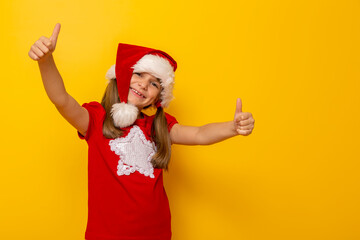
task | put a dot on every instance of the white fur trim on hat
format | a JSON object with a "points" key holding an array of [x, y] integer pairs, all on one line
{"points": [[160, 68], [110, 74], [124, 114]]}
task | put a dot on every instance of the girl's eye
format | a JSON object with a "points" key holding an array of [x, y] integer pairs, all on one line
{"points": [[139, 74], [155, 84]]}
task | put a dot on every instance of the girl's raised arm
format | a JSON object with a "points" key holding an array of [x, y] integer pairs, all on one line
{"points": [[242, 124], [41, 51]]}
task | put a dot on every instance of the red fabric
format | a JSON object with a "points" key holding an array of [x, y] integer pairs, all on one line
{"points": [[127, 56], [123, 207]]}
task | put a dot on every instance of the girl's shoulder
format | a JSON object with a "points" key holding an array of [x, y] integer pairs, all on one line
{"points": [[96, 106], [170, 118], [95, 109]]}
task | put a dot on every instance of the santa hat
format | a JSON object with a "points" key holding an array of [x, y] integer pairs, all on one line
{"points": [[132, 58]]}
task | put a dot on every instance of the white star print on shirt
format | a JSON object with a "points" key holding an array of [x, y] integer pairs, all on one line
{"points": [[135, 153]]}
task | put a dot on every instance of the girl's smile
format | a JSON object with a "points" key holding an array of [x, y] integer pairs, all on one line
{"points": [[137, 93]]}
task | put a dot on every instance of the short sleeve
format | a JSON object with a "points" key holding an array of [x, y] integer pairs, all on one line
{"points": [[170, 120], [96, 117]]}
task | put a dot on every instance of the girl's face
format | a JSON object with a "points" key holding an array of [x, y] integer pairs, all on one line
{"points": [[144, 90]]}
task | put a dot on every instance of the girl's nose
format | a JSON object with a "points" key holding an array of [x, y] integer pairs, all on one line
{"points": [[143, 84]]}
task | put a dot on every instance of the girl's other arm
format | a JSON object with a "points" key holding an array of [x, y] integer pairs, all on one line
{"points": [[242, 124], [68, 107]]}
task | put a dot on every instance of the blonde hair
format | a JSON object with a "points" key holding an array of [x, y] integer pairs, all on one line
{"points": [[159, 129]]}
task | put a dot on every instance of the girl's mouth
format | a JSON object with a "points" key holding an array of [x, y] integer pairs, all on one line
{"points": [[137, 93]]}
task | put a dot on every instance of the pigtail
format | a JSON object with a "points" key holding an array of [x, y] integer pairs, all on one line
{"points": [[111, 96], [160, 135]]}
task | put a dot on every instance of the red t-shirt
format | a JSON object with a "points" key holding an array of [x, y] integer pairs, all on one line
{"points": [[127, 199]]}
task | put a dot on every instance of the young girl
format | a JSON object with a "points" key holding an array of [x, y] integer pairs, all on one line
{"points": [[127, 149]]}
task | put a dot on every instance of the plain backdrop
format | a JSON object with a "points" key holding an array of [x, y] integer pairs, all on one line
{"points": [[294, 64]]}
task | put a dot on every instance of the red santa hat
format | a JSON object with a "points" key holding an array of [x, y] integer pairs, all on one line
{"points": [[132, 58]]}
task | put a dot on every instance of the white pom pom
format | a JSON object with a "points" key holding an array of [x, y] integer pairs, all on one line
{"points": [[124, 114]]}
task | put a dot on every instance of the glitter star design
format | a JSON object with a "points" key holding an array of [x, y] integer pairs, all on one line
{"points": [[135, 153]]}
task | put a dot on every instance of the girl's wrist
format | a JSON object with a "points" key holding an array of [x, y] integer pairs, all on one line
{"points": [[46, 59], [233, 128]]}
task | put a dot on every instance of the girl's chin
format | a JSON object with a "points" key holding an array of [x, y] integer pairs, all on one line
{"points": [[139, 106]]}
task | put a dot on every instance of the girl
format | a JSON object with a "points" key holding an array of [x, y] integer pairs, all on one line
{"points": [[127, 149]]}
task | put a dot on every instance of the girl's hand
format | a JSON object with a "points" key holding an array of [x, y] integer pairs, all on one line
{"points": [[243, 121], [44, 47]]}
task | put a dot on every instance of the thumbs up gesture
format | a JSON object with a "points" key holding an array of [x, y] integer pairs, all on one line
{"points": [[44, 47], [243, 121]]}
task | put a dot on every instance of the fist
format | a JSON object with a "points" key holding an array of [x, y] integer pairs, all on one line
{"points": [[44, 47], [243, 121]]}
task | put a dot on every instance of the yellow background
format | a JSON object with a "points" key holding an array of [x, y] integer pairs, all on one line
{"points": [[295, 64]]}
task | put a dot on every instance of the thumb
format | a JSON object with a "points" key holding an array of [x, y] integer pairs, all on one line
{"points": [[55, 34], [238, 106]]}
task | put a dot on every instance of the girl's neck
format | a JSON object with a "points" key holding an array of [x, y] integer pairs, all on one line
{"points": [[140, 115]]}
